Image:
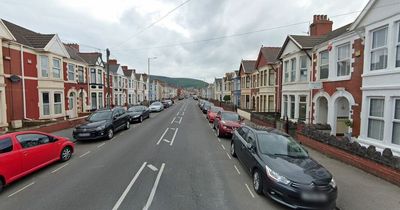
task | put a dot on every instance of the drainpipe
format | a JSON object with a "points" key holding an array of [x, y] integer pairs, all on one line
{"points": [[23, 82]]}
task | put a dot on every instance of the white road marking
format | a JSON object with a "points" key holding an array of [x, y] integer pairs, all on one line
{"points": [[237, 170], [183, 113], [177, 113], [153, 190], [162, 136], [55, 170], [222, 146], [86, 153], [248, 188], [166, 140], [180, 120], [21, 189], [116, 206], [152, 167], [173, 120], [219, 139], [173, 129], [229, 156], [173, 138], [98, 146]]}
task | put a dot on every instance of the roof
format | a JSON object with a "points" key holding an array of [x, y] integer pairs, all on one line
{"points": [[113, 68], [90, 58], [74, 54], [27, 37], [362, 14], [248, 66], [229, 75], [270, 54], [144, 77], [127, 72], [137, 76]]}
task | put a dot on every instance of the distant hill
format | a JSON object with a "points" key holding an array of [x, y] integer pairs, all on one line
{"points": [[180, 82]]}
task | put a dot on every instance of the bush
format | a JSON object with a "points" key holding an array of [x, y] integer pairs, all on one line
{"points": [[227, 98]]}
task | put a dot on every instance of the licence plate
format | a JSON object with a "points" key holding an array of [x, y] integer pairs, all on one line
{"points": [[314, 197], [84, 134]]}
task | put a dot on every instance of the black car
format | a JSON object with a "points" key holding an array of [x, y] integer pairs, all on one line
{"points": [[165, 103], [138, 113], [102, 124], [206, 107], [282, 169]]}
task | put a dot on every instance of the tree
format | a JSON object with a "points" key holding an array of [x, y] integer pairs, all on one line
{"points": [[227, 98]]}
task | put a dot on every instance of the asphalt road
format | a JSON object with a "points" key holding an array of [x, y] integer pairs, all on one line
{"points": [[171, 161]]}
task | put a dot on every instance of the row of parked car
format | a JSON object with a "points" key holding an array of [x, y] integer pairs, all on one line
{"points": [[280, 167], [22, 153]]}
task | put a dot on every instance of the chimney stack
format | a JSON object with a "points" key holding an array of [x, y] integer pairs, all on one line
{"points": [[73, 45], [125, 68], [113, 61], [321, 25]]}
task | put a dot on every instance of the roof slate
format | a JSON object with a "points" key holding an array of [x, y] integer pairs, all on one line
{"points": [[74, 54], [248, 66], [90, 58], [270, 53]]}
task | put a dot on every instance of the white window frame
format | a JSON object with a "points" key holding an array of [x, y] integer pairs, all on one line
{"points": [[348, 59], [293, 68], [397, 44], [81, 78], [93, 78], [46, 69], [271, 78], [100, 97], [99, 76], [292, 115], [58, 103], [56, 69], [321, 65], [302, 69], [44, 104], [71, 71], [94, 100], [375, 117], [379, 48], [305, 103], [394, 120], [286, 71]]}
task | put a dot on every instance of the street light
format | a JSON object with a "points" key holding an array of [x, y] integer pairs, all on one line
{"points": [[148, 73]]}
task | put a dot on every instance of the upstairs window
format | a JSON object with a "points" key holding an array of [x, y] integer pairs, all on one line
{"points": [[99, 76], [303, 68], [343, 60], [271, 77], [56, 68], [398, 46], [379, 50], [324, 65], [80, 74], [293, 70], [44, 65], [286, 66], [93, 75], [71, 72]]}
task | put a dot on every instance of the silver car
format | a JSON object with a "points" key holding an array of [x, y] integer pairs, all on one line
{"points": [[156, 107]]}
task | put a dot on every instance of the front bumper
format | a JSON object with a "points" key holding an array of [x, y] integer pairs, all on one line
{"points": [[89, 135]]}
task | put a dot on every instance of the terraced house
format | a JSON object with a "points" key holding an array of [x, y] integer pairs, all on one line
{"points": [[246, 69], [118, 83]]}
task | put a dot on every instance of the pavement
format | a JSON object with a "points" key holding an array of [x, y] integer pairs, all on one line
{"points": [[171, 161]]}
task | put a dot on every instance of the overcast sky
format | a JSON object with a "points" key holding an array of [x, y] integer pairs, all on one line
{"points": [[116, 25]]}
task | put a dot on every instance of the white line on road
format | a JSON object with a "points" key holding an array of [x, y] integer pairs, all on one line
{"points": [[168, 141], [153, 168], [116, 206], [84, 154], [153, 191], [219, 139], [21, 189], [98, 146], [173, 138], [162, 136], [248, 188], [229, 156], [237, 170], [180, 120], [222, 146], [183, 113], [173, 120], [59, 168]]}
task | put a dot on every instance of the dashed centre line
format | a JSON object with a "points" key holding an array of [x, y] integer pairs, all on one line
{"points": [[54, 171], [32, 183], [237, 170], [100, 145], [84, 154], [248, 188], [222, 146], [228, 156]]}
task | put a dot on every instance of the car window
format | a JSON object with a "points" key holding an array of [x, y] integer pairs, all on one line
{"points": [[6, 145], [275, 144], [99, 116], [250, 137], [230, 116], [31, 140], [121, 111], [243, 131]]}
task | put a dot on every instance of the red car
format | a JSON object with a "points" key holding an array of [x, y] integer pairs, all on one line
{"points": [[212, 112], [24, 152], [226, 123]]}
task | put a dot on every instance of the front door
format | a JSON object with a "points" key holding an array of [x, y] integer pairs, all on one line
{"points": [[72, 105]]}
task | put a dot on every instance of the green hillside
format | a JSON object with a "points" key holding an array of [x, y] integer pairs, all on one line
{"points": [[181, 82]]}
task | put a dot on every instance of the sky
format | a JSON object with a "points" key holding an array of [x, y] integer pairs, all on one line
{"points": [[180, 40]]}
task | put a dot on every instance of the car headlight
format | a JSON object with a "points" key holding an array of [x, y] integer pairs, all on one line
{"points": [[276, 177], [332, 183], [102, 127], [136, 116]]}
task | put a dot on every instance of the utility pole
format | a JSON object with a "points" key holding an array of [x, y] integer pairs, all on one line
{"points": [[108, 78]]}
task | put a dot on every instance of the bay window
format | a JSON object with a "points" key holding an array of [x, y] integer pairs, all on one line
{"points": [[396, 123], [57, 103], [343, 60], [71, 72], [286, 66], [56, 68], [303, 108], [293, 70], [375, 118], [271, 77], [93, 75], [44, 65], [303, 68], [379, 50], [46, 103], [80, 74], [324, 64], [292, 106], [398, 45]]}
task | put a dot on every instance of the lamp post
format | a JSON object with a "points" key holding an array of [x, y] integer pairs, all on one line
{"points": [[148, 73]]}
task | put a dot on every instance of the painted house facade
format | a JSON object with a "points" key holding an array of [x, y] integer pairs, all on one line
{"points": [[246, 69], [218, 89], [379, 26], [236, 89], [118, 83]]}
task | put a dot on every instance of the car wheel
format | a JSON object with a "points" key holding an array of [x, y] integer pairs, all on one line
{"points": [[233, 153], [257, 182], [66, 154], [110, 133], [127, 125], [141, 119], [1, 185]]}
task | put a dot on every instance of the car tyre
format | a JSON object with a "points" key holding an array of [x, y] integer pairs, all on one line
{"points": [[257, 182], [66, 154], [127, 125], [233, 153], [141, 119], [110, 133], [1, 185]]}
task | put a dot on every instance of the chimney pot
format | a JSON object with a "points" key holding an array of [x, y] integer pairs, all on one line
{"points": [[321, 25]]}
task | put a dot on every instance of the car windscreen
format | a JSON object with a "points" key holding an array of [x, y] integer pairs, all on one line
{"points": [[99, 116], [279, 145], [230, 116], [156, 104], [136, 109], [216, 109]]}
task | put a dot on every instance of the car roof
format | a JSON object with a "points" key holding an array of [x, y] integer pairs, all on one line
{"points": [[268, 130]]}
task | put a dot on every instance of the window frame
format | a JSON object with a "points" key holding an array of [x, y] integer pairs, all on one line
{"points": [[305, 103], [292, 106], [303, 68], [93, 75], [44, 104], [321, 65], [99, 76], [394, 119], [293, 68], [47, 69], [286, 71], [371, 50], [348, 59], [71, 72], [397, 46], [271, 77], [58, 103], [375, 117], [56, 70], [81, 74]]}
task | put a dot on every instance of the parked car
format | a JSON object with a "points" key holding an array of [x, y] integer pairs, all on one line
{"points": [[170, 102], [207, 106], [21, 153], [165, 103], [212, 112], [138, 113], [195, 97], [201, 102], [102, 124], [282, 169], [156, 107], [226, 122], [181, 98]]}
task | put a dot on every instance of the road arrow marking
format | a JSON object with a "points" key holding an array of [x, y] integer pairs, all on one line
{"points": [[152, 167], [166, 140]]}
